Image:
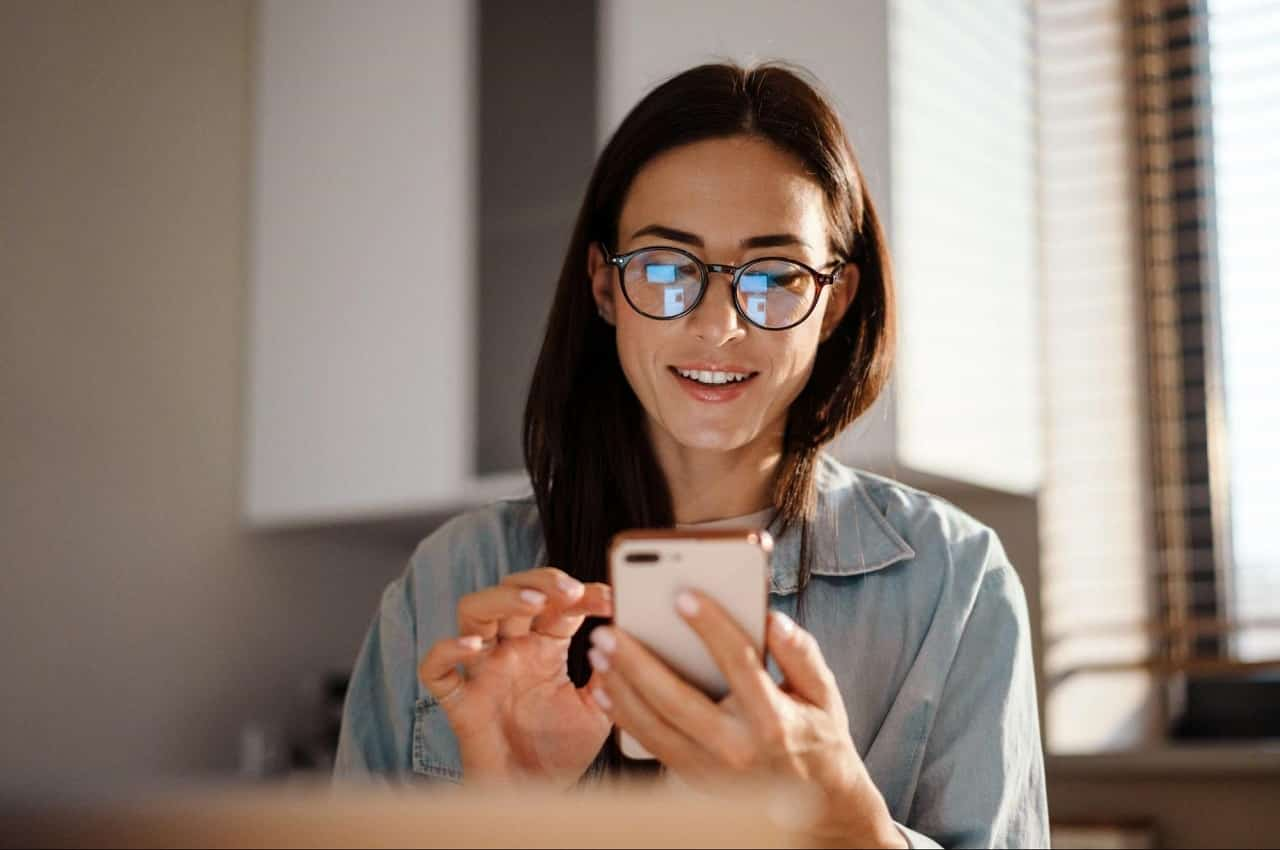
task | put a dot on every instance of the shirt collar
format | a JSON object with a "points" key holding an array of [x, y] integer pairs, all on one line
{"points": [[851, 536]]}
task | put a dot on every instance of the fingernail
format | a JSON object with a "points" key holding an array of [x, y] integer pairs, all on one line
{"points": [[686, 603], [472, 642], [570, 586], [533, 597], [602, 699], [604, 639], [784, 625], [597, 659]]}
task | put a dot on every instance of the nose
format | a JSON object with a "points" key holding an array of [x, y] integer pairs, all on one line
{"points": [[715, 320]]}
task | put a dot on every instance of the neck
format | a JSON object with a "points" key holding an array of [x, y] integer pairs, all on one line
{"points": [[709, 484]]}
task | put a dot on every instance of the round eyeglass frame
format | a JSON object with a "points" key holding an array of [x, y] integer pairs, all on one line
{"points": [[620, 261]]}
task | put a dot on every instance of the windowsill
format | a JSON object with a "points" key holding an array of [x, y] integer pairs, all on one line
{"points": [[1249, 758]]}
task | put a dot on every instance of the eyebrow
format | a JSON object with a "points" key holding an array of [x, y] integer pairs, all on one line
{"points": [[770, 240]]}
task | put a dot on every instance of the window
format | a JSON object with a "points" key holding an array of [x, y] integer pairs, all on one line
{"points": [[1159, 170], [1244, 58]]}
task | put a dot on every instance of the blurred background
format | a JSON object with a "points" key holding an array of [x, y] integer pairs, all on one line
{"points": [[273, 276]]}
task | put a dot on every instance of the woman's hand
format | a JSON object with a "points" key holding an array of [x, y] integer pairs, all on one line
{"points": [[799, 731], [515, 712]]}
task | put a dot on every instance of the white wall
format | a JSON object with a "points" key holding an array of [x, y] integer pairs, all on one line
{"points": [[140, 626], [965, 229]]}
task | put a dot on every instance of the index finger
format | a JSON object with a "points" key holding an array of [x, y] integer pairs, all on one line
{"points": [[561, 588], [482, 612], [733, 651]]}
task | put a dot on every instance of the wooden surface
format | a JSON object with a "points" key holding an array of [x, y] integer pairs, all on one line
{"points": [[430, 817]]}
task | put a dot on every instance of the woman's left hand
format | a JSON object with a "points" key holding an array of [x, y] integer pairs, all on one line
{"points": [[798, 731]]}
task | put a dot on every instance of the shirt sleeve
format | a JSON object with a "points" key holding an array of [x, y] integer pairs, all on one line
{"points": [[375, 743], [982, 777]]}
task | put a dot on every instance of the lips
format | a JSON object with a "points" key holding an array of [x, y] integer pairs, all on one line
{"points": [[714, 393], [708, 366]]}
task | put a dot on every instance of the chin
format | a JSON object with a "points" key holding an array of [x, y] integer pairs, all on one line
{"points": [[710, 439]]}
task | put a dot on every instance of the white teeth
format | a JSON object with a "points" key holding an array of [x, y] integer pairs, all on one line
{"points": [[703, 376]]}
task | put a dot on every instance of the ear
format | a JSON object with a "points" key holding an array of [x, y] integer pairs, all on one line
{"points": [[602, 276], [840, 296]]}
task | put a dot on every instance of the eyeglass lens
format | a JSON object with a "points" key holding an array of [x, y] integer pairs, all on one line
{"points": [[771, 293]]}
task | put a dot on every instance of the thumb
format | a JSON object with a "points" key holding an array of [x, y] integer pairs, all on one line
{"points": [[800, 660]]}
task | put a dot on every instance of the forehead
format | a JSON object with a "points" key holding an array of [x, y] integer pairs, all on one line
{"points": [[726, 190]]}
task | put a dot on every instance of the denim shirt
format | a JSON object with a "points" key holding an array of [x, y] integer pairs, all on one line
{"points": [[913, 602]]}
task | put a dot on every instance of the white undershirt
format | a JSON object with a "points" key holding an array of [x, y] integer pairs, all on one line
{"points": [[759, 519]]}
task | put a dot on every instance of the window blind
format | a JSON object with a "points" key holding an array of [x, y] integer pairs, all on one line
{"points": [[1095, 506]]}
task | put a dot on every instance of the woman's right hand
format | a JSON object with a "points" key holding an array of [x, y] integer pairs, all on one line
{"points": [[515, 712]]}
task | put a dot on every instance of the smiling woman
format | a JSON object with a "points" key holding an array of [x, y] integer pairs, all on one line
{"points": [[725, 309], [718, 189]]}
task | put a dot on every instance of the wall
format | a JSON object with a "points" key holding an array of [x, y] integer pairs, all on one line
{"points": [[141, 627]]}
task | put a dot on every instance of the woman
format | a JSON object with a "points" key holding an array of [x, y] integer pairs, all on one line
{"points": [[685, 379]]}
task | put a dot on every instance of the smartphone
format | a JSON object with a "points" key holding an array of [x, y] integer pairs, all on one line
{"points": [[649, 567]]}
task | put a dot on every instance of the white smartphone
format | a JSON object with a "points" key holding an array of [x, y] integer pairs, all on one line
{"points": [[649, 567]]}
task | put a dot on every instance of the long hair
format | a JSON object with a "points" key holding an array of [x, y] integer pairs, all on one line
{"points": [[593, 469]]}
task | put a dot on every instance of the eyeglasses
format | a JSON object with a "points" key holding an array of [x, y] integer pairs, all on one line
{"points": [[773, 293]]}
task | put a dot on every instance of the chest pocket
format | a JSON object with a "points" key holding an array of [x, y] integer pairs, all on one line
{"points": [[435, 749]]}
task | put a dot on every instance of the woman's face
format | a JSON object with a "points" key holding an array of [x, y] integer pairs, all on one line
{"points": [[709, 198]]}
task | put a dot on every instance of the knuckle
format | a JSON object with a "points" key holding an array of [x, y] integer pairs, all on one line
{"points": [[746, 657], [740, 757], [544, 579], [515, 581], [773, 734], [427, 663], [472, 603], [808, 645], [541, 576]]}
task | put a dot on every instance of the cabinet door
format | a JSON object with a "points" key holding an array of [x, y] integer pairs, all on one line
{"points": [[361, 266]]}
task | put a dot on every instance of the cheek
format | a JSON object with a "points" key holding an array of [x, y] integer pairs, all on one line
{"points": [[794, 364], [634, 352]]}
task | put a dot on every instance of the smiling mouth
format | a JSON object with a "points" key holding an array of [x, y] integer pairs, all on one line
{"points": [[713, 379]]}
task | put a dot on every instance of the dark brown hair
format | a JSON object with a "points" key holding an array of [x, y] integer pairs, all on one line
{"points": [[593, 469]]}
